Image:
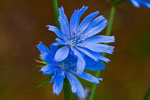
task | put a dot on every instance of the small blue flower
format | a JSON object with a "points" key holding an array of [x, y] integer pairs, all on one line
{"points": [[137, 3], [80, 38], [66, 69]]}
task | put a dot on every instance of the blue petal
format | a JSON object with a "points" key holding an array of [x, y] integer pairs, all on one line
{"points": [[135, 3], [61, 42], [46, 54], [61, 54], [62, 14], [64, 27], [90, 61], [95, 30], [49, 69], [56, 31], [86, 21], [96, 24], [53, 48], [102, 58], [100, 48], [97, 21], [73, 85], [87, 53], [58, 85], [99, 56], [76, 85], [64, 24], [42, 48], [81, 12], [59, 73], [56, 43], [95, 67], [146, 4], [100, 39], [88, 77], [80, 61], [73, 21], [96, 55]]}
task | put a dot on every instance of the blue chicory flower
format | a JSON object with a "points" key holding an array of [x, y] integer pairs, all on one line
{"points": [[66, 69], [80, 38], [137, 3]]}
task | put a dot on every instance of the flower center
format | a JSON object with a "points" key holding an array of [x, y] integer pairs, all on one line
{"points": [[75, 40], [67, 65], [63, 66]]}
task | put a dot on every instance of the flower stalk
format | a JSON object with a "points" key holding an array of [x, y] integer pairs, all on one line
{"points": [[56, 12], [66, 90], [66, 83], [108, 32], [147, 95]]}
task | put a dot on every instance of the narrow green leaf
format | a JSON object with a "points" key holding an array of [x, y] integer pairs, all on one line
{"points": [[39, 66], [147, 95], [44, 82]]}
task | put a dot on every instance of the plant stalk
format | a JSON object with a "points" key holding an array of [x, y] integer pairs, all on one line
{"points": [[56, 12], [66, 89], [66, 83], [147, 95], [108, 32]]}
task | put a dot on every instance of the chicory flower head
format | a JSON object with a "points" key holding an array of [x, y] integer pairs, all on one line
{"points": [[137, 3], [80, 38], [66, 69]]}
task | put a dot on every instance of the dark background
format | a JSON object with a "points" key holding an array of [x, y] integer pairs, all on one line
{"points": [[23, 25]]}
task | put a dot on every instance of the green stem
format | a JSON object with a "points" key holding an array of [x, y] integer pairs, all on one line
{"points": [[147, 95], [56, 12], [108, 31], [111, 19], [66, 90], [66, 83], [44, 82]]}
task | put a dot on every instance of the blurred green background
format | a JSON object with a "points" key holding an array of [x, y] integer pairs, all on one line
{"points": [[23, 25]]}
